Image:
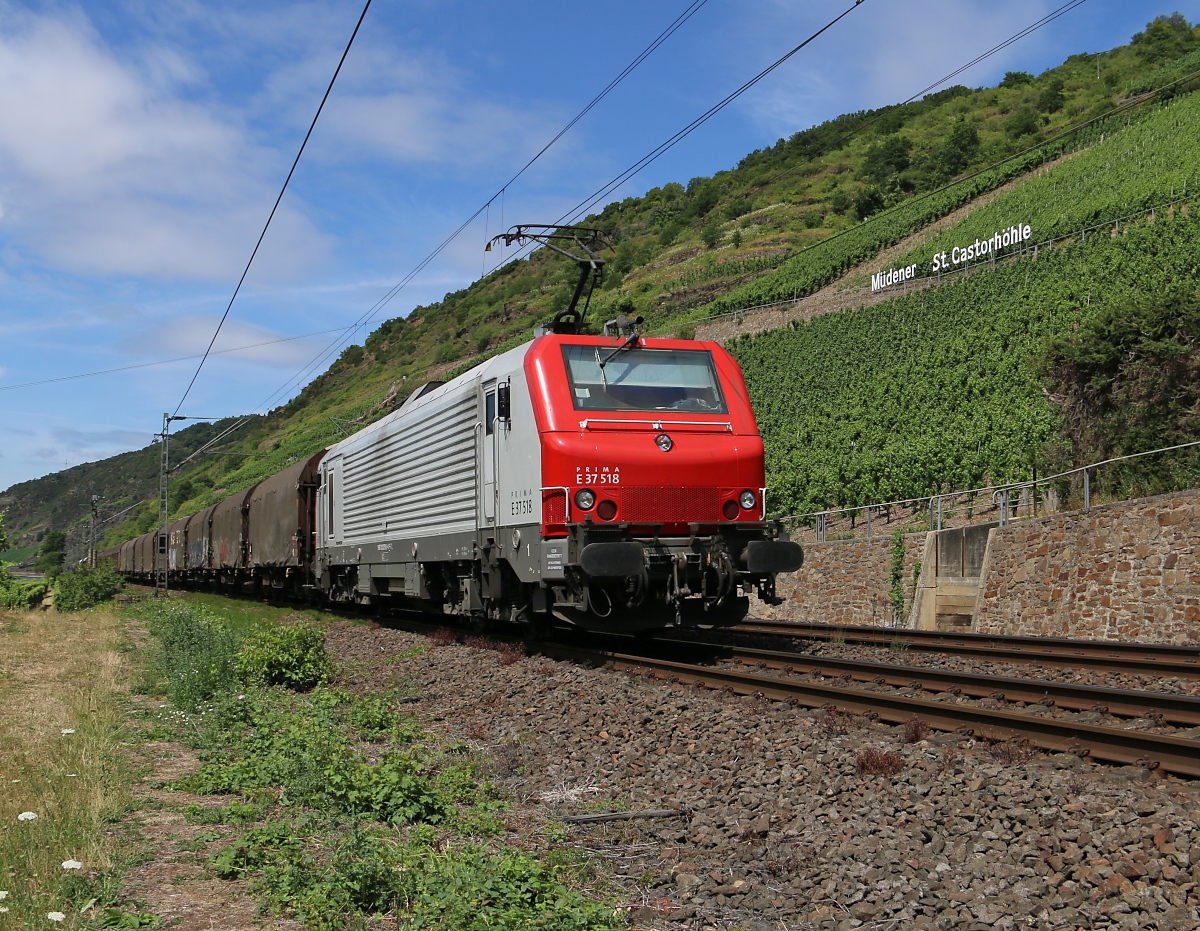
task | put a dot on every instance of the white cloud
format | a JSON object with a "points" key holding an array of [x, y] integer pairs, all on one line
{"points": [[83, 442], [107, 167], [394, 105], [189, 334]]}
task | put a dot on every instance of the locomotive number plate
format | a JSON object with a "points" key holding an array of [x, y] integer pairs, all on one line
{"points": [[597, 475]]}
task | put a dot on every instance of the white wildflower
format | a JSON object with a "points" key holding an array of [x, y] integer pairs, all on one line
{"points": [[27, 816], [72, 865], [56, 916], [68, 730], [3, 895], [3, 910]]}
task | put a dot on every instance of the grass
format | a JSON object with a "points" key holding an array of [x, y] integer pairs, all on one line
{"points": [[340, 808], [61, 671], [242, 615]]}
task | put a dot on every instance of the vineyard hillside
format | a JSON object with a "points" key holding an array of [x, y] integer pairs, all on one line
{"points": [[938, 389]]}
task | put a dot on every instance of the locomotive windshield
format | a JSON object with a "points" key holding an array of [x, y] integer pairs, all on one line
{"points": [[643, 380]]}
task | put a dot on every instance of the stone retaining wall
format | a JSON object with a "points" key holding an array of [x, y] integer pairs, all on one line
{"points": [[845, 582], [1125, 571]]}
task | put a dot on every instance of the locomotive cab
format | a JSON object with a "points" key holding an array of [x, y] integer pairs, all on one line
{"points": [[653, 492]]}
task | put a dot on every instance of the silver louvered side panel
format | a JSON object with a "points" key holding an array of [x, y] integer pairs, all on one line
{"points": [[417, 474]]}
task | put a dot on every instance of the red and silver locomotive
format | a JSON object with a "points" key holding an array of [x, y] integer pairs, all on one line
{"points": [[611, 482]]}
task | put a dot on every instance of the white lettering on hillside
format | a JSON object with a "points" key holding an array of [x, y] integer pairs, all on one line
{"points": [[959, 255]]}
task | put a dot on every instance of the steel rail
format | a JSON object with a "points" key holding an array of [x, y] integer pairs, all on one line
{"points": [[1130, 703], [1177, 755], [1154, 658]]}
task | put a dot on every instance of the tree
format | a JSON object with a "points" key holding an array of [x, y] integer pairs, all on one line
{"points": [[1016, 78], [885, 159], [53, 553], [3, 535], [1022, 123], [1165, 37], [711, 234], [960, 147], [736, 239], [1051, 99], [1127, 380]]}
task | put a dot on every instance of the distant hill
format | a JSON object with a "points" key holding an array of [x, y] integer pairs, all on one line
{"points": [[784, 222], [62, 500]]}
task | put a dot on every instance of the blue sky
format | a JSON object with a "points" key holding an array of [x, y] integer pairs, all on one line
{"points": [[142, 144]]}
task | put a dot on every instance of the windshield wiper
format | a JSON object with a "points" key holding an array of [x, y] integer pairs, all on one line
{"points": [[630, 340], [603, 380]]}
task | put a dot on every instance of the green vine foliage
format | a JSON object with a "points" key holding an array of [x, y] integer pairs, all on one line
{"points": [[896, 577]]}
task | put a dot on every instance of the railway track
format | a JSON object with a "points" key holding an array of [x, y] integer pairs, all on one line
{"points": [[1181, 710], [1165, 753], [1150, 658]]}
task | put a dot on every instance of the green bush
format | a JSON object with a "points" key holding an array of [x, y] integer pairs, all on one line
{"points": [[85, 588], [293, 656], [199, 653]]}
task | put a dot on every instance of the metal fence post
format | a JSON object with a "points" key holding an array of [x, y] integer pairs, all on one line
{"points": [[939, 512], [1087, 491], [868, 522]]}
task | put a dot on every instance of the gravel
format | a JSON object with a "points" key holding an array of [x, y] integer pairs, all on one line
{"points": [[778, 828]]}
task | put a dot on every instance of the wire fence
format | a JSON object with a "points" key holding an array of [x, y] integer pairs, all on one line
{"points": [[1077, 489]]}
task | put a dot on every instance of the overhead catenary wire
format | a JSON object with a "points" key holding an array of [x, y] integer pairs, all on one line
{"points": [[699, 121], [145, 365], [369, 314], [592, 200], [641, 163], [275, 207], [995, 49], [349, 331]]}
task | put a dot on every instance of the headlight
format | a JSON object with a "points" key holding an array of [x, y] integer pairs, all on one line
{"points": [[584, 499], [664, 442], [747, 499]]}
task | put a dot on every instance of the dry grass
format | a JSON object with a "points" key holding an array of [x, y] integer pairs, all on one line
{"points": [[443, 637], [58, 671], [916, 730], [834, 722], [1014, 751], [872, 762]]}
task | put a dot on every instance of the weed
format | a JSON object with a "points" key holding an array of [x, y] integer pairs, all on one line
{"points": [[199, 653], [233, 813], [834, 722], [916, 730], [510, 654], [119, 918], [950, 760], [343, 831], [476, 731], [293, 656], [872, 762], [899, 646], [838, 637], [1014, 750], [374, 718], [443, 637]]}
